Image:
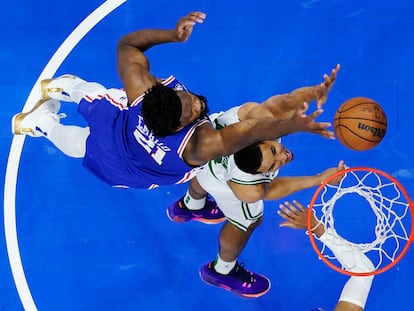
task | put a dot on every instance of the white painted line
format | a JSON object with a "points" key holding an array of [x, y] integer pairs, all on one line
{"points": [[17, 145]]}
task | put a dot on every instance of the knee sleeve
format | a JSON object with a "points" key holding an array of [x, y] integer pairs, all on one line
{"points": [[356, 290]]}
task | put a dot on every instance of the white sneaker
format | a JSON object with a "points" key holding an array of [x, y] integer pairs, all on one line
{"points": [[39, 120], [59, 88]]}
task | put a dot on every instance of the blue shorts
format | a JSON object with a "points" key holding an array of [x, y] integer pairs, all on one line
{"points": [[104, 149]]}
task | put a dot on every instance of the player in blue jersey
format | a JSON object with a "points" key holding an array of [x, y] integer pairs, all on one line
{"points": [[122, 145], [117, 132], [354, 294]]}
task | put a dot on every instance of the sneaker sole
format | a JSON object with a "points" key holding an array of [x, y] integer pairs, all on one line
{"points": [[210, 281], [18, 119], [175, 218], [178, 219], [210, 221]]}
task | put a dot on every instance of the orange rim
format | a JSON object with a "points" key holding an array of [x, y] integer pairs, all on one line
{"points": [[404, 250]]}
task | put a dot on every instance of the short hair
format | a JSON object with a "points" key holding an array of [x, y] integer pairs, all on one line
{"points": [[161, 110], [249, 159]]}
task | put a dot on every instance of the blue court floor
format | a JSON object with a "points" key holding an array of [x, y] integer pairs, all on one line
{"points": [[70, 242]]}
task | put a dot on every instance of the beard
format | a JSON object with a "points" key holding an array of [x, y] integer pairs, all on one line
{"points": [[205, 111]]}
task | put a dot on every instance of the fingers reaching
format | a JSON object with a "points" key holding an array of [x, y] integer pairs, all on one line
{"points": [[335, 72], [341, 166], [309, 125], [295, 216], [331, 79], [185, 25], [325, 87], [196, 17]]}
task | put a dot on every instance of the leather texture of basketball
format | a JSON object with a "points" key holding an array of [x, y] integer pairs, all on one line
{"points": [[360, 123]]}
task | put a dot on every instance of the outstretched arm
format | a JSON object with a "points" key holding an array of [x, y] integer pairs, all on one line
{"points": [[355, 292], [133, 65], [211, 143], [283, 186], [283, 106]]}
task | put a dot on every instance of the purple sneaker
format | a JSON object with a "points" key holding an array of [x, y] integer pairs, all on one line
{"points": [[239, 281], [209, 214]]}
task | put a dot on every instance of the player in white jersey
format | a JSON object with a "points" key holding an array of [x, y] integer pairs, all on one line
{"points": [[355, 292], [239, 183]]}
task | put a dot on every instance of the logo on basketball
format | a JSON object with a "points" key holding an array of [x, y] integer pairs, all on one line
{"points": [[375, 131]]}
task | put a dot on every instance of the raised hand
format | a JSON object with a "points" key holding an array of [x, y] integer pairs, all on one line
{"points": [[185, 25], [331, 171], [325, 87], [306, 123], [295, 216]]}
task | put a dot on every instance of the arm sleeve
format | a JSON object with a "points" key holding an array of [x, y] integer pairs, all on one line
{"points": [[357, 288]]}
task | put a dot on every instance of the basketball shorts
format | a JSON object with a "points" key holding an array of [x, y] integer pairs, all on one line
{"points": [[103, 153], [240, 214]]}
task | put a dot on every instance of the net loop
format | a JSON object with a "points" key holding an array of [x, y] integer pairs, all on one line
{"points": [[390, 205]]}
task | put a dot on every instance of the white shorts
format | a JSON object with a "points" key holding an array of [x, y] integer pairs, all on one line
{"points": [[239, 213]]}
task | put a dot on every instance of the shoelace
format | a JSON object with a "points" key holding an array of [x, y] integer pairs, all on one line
{"points": [[62, 115], [209, 200], [242, 274], [58, 116], [214, 209]]}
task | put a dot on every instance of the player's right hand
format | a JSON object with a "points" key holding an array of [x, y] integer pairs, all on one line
{"points": [[306, 123]]}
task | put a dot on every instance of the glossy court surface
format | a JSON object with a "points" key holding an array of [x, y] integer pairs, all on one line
{"points": [[70, 242]]}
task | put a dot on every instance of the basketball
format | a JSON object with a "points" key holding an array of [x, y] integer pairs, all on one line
{"points": [[360, 123]]}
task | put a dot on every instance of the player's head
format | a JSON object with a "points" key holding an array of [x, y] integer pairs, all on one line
{"points": [[166, 110], [262, 157]]}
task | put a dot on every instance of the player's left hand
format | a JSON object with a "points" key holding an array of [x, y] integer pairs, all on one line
{"points": [[295, 217], [185, 25]]}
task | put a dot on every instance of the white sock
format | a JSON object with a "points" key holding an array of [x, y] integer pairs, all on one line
{"points": [[224, 267], [194, 204], [71, 140]]}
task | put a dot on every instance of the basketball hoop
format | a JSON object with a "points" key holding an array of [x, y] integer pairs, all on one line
{"points": [[388, 206]]}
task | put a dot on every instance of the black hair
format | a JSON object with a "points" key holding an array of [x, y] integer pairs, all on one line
{"points": [[161, 110], [249, 159]]}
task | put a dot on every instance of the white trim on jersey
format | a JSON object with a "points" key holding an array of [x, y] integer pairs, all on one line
{"points": [[187, 137]]}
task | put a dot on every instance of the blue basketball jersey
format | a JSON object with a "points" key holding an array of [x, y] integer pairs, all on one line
{"points": [[121, 150]]}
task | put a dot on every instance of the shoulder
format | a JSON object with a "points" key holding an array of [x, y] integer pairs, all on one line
{"points": [[200, 138], [248, 193], [240, 177], [137, 80], [247, 187]]}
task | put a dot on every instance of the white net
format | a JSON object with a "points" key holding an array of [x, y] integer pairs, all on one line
{"points": [[383, 217]]}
